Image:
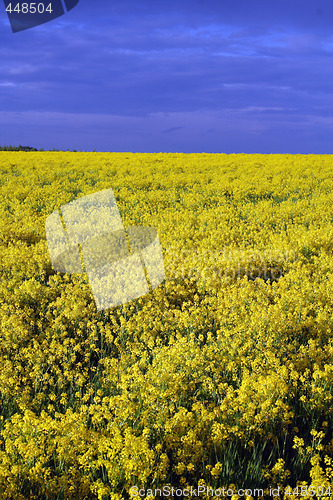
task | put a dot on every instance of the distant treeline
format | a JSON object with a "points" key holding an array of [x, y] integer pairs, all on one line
{"points": [[17, 148], [29, 148]]}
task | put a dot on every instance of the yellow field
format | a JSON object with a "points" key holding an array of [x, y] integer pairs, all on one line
{"points": [[221, 377]]}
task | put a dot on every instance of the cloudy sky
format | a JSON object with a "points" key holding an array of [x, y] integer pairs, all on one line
{"points": [[215, 76]]}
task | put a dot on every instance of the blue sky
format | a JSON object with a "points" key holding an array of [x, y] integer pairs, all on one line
{"points": [[215, 76]]}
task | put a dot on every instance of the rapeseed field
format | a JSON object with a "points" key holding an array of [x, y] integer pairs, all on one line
{"points": [[220, 378]]}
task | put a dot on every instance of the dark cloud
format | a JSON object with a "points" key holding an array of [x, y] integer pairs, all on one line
{"points": [[172, 129]]}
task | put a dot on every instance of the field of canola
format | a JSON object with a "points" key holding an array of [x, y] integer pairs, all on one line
{"points": [[221, 377]]}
